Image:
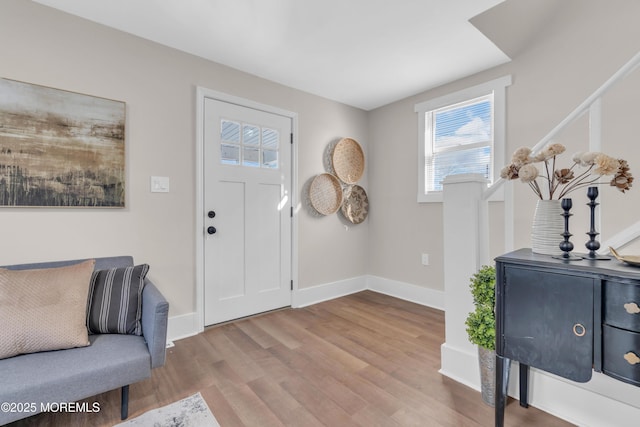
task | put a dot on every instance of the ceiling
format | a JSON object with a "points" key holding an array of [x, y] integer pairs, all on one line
{"points": [[364, 53]]}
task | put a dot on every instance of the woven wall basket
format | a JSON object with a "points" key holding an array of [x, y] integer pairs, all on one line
{"points": [[325, 194], [355, 206], [348, 160]]}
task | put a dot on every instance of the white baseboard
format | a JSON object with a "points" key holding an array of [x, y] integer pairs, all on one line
{"points": [[183, 326], [328, 291], [585, 405], [577, 404], [186, 325], [406, 291], [460, 366]]}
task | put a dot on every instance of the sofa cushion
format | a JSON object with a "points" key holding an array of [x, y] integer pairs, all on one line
{"points": [[44, 309], [111, 361], [115, 300]]}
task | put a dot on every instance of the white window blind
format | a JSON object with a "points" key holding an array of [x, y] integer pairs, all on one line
{"points": [[459, 139], [461, 133]]}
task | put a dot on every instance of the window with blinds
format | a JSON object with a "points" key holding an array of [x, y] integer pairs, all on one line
{"points": [[461, 132], [458, 140]]}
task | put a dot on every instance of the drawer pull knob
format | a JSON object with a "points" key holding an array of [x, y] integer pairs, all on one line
{"points": [[632, 308], [632, 358], [579, 330]]}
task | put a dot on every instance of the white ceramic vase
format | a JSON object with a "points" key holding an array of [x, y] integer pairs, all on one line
{"points": [[547, 228]]}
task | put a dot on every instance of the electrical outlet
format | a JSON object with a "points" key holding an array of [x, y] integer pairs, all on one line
{"points": [[425, 259]]}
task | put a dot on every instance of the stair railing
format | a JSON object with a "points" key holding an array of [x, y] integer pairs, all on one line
{"points": [[592, 105]]}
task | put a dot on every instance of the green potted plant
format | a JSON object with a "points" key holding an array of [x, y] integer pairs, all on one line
{"points": [[481, 328]]}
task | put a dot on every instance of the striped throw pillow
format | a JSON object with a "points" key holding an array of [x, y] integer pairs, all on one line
{"points": [[115, 300]]}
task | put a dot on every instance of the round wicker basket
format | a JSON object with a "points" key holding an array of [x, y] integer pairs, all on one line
{"points": [[325, 193], [348, 160], [355, 206]]}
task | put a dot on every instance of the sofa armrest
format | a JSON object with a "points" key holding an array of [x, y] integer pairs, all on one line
{"points": [[155, 315]]}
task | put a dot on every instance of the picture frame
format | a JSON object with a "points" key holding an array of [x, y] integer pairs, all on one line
{"points": [[60, 148]]}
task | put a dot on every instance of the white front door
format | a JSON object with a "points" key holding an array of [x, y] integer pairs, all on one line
{"points": [[247, 211]]}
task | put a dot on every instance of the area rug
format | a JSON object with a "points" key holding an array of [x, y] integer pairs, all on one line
{"points": [[189, 412]]}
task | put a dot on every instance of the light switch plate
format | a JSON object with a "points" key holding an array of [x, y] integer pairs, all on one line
{"points": [[159, 184]]}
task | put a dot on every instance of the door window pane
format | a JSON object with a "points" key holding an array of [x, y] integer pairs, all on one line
{"points": [[250, 135], [270, 159], [230, 154], [270, 138], [249, 145], [251, 157], [230, 132]]}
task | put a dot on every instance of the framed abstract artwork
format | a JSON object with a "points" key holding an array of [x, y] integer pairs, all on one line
{"points": [[60, 148]]}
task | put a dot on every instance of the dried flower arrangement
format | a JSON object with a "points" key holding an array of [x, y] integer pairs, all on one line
{"points": [[562, 181]]}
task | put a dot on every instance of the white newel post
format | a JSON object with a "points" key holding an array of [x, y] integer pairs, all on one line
{"points": [[465, 250]]}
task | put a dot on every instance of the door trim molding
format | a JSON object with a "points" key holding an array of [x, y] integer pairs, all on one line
{"points": [[203, 93]]}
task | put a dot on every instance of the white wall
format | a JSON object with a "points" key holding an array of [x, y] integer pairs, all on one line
{"points": [[573, 53], [158, 84], [579, 47]]}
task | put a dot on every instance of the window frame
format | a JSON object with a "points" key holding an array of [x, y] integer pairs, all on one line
{"points": [[498, 88]]}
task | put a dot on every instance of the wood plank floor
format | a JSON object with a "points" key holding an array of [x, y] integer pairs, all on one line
{"points": [[362, 360]]}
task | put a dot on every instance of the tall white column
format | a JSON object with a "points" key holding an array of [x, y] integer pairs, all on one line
{"points": [[465, 250]]}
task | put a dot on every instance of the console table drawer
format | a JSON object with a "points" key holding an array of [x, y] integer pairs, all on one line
{"points": [[621, 357], [622, 305]]}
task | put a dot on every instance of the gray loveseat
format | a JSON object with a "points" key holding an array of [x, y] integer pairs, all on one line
{"points": [[30, 382]]}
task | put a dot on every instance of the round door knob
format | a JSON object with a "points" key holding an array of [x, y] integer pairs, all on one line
{"points": [[211, 230], [211, 214]]}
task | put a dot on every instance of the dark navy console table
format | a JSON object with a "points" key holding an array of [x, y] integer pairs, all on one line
{"points": [[565, 317]]}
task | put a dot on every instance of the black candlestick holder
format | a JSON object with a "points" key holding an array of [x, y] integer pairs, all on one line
{"points": [[566, 246], [593, 245]]}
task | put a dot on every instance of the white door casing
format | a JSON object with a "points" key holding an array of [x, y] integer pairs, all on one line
{"points": [[246, 173]]}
